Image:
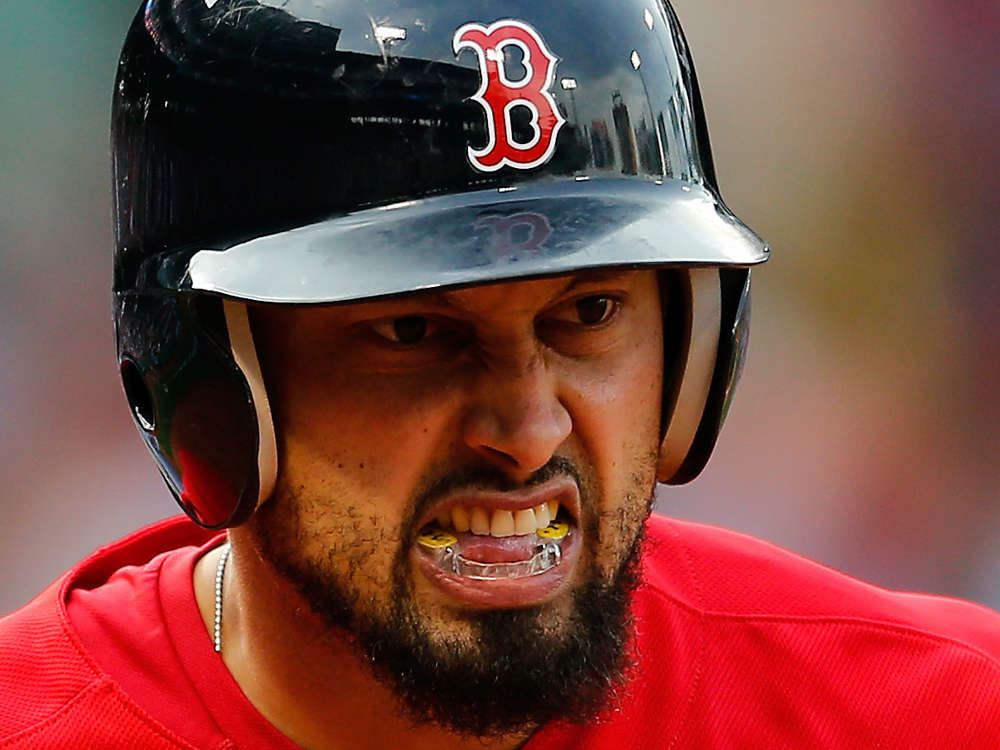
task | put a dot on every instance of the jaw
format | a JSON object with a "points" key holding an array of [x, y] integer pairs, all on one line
{"points": [[445, 660]]}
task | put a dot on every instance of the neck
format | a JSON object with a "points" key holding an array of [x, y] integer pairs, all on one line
{"points": [[308, 681]]}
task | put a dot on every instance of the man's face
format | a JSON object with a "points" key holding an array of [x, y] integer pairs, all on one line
{"points": [[436, 411]]}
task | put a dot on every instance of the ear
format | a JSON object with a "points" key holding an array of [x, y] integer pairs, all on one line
{"points": [[693, 368]]}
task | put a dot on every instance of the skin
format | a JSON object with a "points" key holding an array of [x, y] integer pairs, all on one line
{"points": [[508, 377]]}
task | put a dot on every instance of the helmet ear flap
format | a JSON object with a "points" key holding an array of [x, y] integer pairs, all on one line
{"points": [[707, 370], [690, 373], [188, 387]]}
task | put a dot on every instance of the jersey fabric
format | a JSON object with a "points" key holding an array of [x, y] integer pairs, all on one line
{"points": [[738, 644]]}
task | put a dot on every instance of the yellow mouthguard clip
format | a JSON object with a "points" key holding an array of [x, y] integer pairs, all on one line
{"points": [[555, 530], [436, 539]]}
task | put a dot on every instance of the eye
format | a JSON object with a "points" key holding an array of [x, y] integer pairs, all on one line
{"points": [[595, 310], [592, 311], [585, 326], [410, 329]]}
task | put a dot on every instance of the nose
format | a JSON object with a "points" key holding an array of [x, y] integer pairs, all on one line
{"points": [[516, 420]]}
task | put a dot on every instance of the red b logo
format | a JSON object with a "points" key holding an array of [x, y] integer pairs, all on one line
{"points": [[498, 94]]}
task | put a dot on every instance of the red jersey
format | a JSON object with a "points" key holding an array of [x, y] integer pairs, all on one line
{"points": [[740, 645]]}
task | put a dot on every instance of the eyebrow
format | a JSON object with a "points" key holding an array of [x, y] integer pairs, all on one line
{"points": [[583, 278], [597, 277]]}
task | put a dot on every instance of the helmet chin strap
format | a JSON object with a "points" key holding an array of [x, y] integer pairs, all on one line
{"points": [[696, 370], [245, 355]]}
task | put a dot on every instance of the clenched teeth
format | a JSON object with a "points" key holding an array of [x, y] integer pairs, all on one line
{"points": [[498, 523]]}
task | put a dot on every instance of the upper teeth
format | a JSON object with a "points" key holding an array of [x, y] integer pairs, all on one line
{"points": [[481, 521]]}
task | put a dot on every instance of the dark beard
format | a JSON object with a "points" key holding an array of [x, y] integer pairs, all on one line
{"points": [[519, 675]]}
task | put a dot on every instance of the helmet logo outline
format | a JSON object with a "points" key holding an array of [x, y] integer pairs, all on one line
{"points": [[498, 94], [504, 247]]}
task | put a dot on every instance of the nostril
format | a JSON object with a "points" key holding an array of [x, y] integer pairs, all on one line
{"points": [[497, 455]]}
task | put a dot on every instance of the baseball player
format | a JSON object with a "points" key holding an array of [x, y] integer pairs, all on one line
{"points": [[415, 304]]}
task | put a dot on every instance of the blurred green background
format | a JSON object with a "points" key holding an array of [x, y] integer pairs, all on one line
{"points": [[859, 138]]}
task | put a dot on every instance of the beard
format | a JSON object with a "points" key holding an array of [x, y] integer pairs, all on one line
{"points": [[516, 668]]}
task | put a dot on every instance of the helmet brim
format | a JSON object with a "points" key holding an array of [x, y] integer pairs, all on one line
{"points": [[531, 230]]}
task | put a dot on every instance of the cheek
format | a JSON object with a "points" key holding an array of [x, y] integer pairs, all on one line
{"points": [[616, 417], [345, 557], [616, 410], [362, 440]]}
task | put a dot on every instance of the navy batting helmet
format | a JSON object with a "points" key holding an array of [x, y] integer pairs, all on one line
{"points": [[343, 150]]}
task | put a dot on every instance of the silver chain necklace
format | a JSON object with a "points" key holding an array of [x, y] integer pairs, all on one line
{"points": [[220, 572]]}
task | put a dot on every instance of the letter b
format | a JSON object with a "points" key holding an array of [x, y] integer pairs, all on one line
{"points": [[498, 94]]}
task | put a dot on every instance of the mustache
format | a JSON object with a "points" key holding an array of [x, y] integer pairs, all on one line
{"points": [[490, 479]]}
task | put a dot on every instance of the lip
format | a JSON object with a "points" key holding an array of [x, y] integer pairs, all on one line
{"points": [[562, 489], [516, 592]]}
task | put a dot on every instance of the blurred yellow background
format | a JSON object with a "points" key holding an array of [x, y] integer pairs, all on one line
{"points": [[860, 138]]}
